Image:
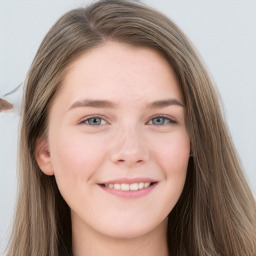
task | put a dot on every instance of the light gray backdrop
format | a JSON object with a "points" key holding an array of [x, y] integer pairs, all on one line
{"points": [[224, 31]]}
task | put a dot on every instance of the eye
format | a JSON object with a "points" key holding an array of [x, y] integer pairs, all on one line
{"points": [[161, 120], [94, 121]]}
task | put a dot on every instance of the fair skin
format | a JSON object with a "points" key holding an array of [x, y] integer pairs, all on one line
{"points": [[118, 119]]}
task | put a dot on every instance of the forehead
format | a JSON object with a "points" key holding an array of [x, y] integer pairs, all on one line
{"points": [[119, 70]]}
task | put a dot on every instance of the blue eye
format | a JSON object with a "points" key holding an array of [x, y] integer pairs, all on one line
{"points": [[94, 121], [159, 120]]}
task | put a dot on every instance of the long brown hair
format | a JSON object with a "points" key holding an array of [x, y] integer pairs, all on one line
{"points": [[216, 213]]}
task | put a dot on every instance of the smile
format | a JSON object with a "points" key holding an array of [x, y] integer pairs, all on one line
{"points": [[129, 187]]}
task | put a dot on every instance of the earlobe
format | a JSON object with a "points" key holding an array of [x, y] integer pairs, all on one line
{"points": [[43, 156]]}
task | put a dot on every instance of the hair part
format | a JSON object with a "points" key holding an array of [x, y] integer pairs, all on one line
{"points": [[216, 213]]}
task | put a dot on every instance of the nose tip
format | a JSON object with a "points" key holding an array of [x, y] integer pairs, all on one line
{"points": [[129, 150]]}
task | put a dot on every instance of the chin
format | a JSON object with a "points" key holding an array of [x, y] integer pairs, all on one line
{"points": [[127, 234], [132, 229]]}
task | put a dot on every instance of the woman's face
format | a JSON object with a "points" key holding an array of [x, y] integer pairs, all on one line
{"points": [[117, 141]]}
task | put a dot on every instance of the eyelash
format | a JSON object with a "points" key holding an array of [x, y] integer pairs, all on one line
{"points": [[167, 120], [85, 121]]}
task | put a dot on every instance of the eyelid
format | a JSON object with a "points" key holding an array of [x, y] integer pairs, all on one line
{"points": [[83, 120], [171, 119]]}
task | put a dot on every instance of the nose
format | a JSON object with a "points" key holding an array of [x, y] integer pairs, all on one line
{"points": [[129, 148]]}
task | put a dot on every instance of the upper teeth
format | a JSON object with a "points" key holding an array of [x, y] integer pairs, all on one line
{"points": [[127, 187]]}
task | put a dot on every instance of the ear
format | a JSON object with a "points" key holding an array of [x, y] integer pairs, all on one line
{"points": [[43, 156]]}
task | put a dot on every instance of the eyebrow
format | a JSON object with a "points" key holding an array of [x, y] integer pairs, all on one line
{"points": [[108, 104], [93, 103], [164, 103]]}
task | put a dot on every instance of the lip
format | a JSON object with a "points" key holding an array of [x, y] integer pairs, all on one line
{"points": [[129, 181], [129, 194]]}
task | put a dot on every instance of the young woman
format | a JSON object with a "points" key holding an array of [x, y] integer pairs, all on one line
{"points": [[123, 148]]}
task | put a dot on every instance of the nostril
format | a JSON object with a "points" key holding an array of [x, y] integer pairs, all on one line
{"points": [[129, 153], [120, 161]]}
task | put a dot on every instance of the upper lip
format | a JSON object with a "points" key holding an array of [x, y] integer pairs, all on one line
{"points": [[129, 181]]}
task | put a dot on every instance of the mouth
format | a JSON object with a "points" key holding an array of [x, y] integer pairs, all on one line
{"points": [[129, 189], [127, 186]]}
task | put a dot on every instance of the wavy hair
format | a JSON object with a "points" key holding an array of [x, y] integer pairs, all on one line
{"points": [[216, 213]]}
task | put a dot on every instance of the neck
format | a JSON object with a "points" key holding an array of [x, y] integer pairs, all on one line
{"points": [[93, 243]]}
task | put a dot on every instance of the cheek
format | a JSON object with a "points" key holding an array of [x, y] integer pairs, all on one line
{"points": [[173, 154], [76, 156]]}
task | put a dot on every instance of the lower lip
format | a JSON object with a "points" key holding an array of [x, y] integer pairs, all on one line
{"points": [[129, 194]]}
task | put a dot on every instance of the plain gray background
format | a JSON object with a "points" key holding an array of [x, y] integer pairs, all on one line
{"points": [[224, 32]]}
